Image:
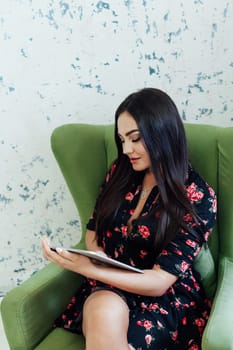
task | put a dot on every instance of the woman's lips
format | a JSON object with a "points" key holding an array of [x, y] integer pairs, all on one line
{"points": [[134, 160]]}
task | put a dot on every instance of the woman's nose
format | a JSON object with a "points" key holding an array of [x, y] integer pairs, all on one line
{"points": [[127, 147]]}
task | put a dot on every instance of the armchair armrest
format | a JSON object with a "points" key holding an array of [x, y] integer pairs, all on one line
{"points": [[218, 333], [28, 311]]}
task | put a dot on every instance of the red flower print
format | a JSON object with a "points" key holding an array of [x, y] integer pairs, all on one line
{"points": [[184, 321], [193, 194], [188, 218], [197, 196], [109, 234], [132, 211], [164, 252], [214, 205], [178, 252], [121, 249], [211, 191], [147, 324], [206, 235], [190, 243], [174, 335], [144, 231], [132, 263], [140, 323], [129, 196], [124, 230], [186, 286], [163, 311], [177, 304], [184, 266], [196, 252], [143, 305], [92, 282], [143, 253], [200, 322], [148, 339], [192, 187], [196, 286], [154, 306]]}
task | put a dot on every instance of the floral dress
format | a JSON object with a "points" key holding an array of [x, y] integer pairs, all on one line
{"points": [[175, 320]]}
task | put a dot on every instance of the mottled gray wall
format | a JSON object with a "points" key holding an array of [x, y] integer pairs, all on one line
{"points": [[74, 61]]}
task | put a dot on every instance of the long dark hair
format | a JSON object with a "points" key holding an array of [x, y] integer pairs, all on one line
{"points": [[162, 131]]}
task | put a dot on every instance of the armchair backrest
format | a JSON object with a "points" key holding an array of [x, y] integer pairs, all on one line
{"points": [[84, 153]]}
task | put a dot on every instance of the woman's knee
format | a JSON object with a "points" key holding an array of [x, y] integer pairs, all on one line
{"points": [[103, 309]]}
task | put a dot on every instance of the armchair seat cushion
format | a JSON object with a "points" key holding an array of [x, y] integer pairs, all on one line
{"points": [[60, 339]]}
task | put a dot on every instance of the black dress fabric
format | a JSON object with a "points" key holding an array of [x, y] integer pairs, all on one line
{"points": [[175, 320]]}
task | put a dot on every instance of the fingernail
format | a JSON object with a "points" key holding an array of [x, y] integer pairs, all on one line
{"points": [[59, 250]]}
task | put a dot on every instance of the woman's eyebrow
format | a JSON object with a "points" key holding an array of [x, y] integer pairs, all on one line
{"points": [[130, 132]]}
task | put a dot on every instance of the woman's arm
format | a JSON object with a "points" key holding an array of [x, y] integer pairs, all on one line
{"points": [[153, 282]]}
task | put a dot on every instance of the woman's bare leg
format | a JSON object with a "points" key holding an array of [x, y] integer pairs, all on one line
{"points": [[105, 321]]}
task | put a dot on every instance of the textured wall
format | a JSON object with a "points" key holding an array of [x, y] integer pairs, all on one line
{"points": [[74, 61]]}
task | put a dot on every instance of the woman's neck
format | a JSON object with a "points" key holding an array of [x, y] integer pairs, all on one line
{"points": [[149, 180]]}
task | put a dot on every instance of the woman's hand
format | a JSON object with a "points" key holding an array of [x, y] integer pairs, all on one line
{"points": [[69, 261]]}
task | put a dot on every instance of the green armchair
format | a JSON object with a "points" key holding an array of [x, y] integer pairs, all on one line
{"points": [[84, 153]]}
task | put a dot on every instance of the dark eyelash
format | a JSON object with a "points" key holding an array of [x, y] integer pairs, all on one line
{"points": [[133, 140], [137, 139]]}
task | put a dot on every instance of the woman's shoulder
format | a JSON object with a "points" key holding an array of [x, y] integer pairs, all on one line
{"points": [[203, 198], [198, 189]]}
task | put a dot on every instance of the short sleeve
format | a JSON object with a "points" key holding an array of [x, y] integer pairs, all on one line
{"points": [[180, 252], [92, 220]]}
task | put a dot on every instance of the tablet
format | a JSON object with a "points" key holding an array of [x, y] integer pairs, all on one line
{"points": [[98, 258]]}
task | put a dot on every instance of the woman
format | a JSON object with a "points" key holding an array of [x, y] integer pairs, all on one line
{"points": [[153, 212]]}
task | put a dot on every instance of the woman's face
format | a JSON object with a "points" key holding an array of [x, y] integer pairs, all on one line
{"points": [[132, 142]]}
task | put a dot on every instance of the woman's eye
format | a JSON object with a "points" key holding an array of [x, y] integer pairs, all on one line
{"points": [[136, 139]]}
